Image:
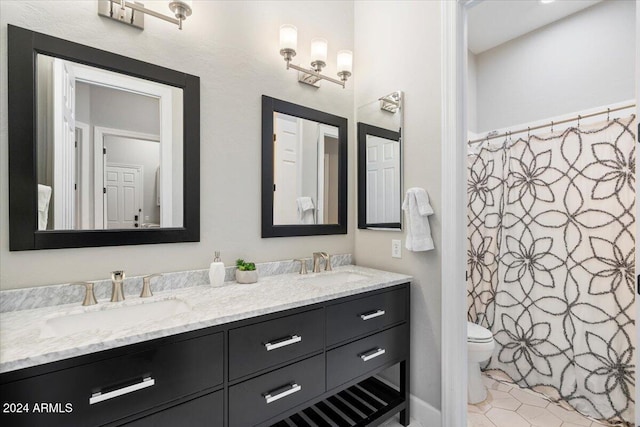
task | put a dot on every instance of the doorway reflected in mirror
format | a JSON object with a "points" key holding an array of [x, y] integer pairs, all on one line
{"points": [[109, 149], [305, 171]]}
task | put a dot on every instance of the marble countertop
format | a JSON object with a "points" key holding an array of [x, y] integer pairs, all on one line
{"points": [[26, 337]]}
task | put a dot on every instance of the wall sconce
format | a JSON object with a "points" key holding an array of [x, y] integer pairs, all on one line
{"points": [[391, 102], [132, 13], [312, 76]]}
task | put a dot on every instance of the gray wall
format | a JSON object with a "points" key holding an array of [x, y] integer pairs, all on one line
{"points": [[583, 61], [233, 47], [472, 93], [124, 110], [417, 72]]}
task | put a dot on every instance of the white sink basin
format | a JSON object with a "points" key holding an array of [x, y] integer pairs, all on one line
{"points": [[334, 278], [117, 318]]}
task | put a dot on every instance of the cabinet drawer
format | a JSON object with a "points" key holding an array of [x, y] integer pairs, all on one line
{"points": [[268, 395], [205, 411], [259, 346], [367, 354], [361, 316], [128, 384]]}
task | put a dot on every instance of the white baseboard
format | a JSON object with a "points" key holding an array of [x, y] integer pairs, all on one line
{"points": [[425, 414], [420, 411]]}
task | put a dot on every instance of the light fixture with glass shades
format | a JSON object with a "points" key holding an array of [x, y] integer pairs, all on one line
{"points": [[319, 48], [132, 12]]}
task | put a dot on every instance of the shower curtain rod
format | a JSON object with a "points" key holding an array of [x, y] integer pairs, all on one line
{"points": [[552, 123]]}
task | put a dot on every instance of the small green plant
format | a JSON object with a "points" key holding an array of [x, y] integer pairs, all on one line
{"points": [[245, 266]]}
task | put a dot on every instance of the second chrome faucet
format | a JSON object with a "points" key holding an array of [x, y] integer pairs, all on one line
{"points": [[317, 256], [117, 293]]}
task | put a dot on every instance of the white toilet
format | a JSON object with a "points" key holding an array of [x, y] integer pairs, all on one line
{"points": [[480, 345]]}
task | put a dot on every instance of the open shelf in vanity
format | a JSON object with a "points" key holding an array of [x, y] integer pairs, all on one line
{"points": [[310, 365], [362, 404]]}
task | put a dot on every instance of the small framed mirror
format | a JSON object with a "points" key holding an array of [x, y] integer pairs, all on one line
{"points": [[380, 174], [304, 171]]}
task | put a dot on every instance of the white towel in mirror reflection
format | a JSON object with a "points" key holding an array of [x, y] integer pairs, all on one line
{"points": [[44, 196], [305, 210]]}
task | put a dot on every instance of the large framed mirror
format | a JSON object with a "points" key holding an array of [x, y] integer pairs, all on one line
{"points": [[380, 165], [103, 149], [304, 171]]}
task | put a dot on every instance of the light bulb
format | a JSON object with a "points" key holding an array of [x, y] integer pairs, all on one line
{"points": [[319, 50], [288, 37], [345, 61]]}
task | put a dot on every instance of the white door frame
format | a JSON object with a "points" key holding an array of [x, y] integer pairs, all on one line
{"points": [[83, 171], [323, 132], [454, 125], [637, 397], [99, 133], [164, 95]]}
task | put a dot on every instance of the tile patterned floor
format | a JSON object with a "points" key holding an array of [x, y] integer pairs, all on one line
{"points": [[510, 406]]}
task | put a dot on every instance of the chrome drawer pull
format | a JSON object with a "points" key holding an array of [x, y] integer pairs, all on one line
{"points": [[372, 354], [373, 314], [289, 389], [283, 342], [101, 397]]}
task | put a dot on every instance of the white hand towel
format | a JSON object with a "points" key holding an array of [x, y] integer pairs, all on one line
{"points": [[417, 208], [44, 196], [305, 210]]}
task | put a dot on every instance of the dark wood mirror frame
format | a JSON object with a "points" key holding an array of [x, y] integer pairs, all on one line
{"points": [[364, 130], [269, 107], [23, 45]]}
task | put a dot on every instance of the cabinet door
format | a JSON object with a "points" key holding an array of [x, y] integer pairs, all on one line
{"points": [[261, 398], [366, 315], [272, 342], [108, 390], [366, 355], [205, 411]]}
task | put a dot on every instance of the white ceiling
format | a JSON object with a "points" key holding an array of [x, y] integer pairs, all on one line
{"points": [[493, 22]]}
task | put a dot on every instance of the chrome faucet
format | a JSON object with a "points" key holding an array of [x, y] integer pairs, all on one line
{"points": [[117, 278], [146, 285], [89, 296], [317, 256], [303, 265]]}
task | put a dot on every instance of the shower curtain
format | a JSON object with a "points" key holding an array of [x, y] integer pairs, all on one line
{"points": [[551, 228]]}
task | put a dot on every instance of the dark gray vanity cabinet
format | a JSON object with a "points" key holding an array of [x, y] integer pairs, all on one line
{"points": [[312, 365]]}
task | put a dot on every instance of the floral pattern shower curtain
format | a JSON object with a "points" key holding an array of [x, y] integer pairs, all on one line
{"points": [[551, 227]]}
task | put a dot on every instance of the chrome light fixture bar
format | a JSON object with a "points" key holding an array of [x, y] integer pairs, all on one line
{"points": [[132, 13], [390, 102], [313, 75]]}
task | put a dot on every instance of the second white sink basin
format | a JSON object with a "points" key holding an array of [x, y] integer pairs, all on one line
{"points": [[117, 318], [336, 278]]}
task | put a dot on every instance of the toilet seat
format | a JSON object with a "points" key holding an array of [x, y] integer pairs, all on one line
{"points": [[478, 334]]}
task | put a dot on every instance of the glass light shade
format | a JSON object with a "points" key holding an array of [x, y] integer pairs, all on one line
{"points": [[345, 61], [288, 37], [319, 48]]}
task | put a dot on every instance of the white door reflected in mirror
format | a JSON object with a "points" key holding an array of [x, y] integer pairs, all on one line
{"points": [[305, 171], [383, 180]]}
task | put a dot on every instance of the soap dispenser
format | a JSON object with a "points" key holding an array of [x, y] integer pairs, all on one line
{"points": [[216, 271]]}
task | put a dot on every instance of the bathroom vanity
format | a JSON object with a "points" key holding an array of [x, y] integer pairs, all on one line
{"points": [[285, 351]]}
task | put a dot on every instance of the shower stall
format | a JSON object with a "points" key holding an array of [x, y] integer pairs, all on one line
{"points": [[551, 259]]}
